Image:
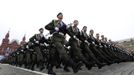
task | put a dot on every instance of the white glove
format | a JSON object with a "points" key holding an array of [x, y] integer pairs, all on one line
{"points": [[37, 42], [56, 28], [69, 25], [42, 44], [27, 47], [69, 47], [86, 41], [93, 42], [17, 52], [74, 36], [105, 46], [46, 44], [32, 43], [22, 50], [100, 44], [34, 40]]}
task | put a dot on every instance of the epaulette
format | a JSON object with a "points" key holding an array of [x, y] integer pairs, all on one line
{"points": [[54, 21]]}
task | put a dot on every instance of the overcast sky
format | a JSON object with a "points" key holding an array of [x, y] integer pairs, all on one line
{"points": [[113, 18]]}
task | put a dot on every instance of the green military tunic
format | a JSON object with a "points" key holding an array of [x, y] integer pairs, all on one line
{"points": [[57, 40], [74, 43], [36, 40]]}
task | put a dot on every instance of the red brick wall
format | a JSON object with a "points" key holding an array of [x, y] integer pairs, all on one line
{"points": [[13, 45]]}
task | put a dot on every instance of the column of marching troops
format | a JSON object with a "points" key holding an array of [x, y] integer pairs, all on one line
{"points": [[80, 50]]}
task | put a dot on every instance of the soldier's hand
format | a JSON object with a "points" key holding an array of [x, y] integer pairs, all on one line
{"points": [[22, 50], [37, 42], [69, 47], [69, 25], [41, 44], [74, 37], [56, 28], [46, 44], [86, 41], [93, 42], [27, 47]]}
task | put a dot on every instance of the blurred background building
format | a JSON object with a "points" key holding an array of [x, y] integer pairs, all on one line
{"points": [[7, 46]]}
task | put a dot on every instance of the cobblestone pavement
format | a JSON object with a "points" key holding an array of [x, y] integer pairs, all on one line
{"points": [[126, 68]]}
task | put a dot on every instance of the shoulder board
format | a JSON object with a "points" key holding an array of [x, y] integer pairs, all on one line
{"points": [[54, 21]]}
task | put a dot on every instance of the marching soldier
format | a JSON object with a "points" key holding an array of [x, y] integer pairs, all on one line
{"points": [[96, 51], [74, 42], [58, 30], [28, 59], [100, 48], [37, 40], [20, 56], [107, 50], [85, 46]]}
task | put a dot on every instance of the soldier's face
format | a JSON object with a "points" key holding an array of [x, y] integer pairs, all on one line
{"points": [[76, 23], [91, 32], [102, 37], [85, 29], [97, 35], [110, 41], [41, 31], [60, 17], [106, 39]]}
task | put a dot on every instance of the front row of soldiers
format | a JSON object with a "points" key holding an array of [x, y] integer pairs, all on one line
{"points": [[80, 50]]}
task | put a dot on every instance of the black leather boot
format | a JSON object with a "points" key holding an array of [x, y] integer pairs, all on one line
{"points": [[75, 66], [50, 70]]}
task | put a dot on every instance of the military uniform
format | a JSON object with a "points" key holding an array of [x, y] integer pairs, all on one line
{"points": [[75, 46], [58, 31], [88, 53], [37, 40], [20, 56], [28, 57], [99, 55], [109, 53]]}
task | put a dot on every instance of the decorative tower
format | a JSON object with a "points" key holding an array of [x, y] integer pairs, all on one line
{"points": [[5, 43], [23, 40]]}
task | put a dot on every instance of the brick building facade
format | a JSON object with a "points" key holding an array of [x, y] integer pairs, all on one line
{"points": [[7, 47]]}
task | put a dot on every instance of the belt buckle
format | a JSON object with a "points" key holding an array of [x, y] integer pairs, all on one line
{"points": [[61, 33]]}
